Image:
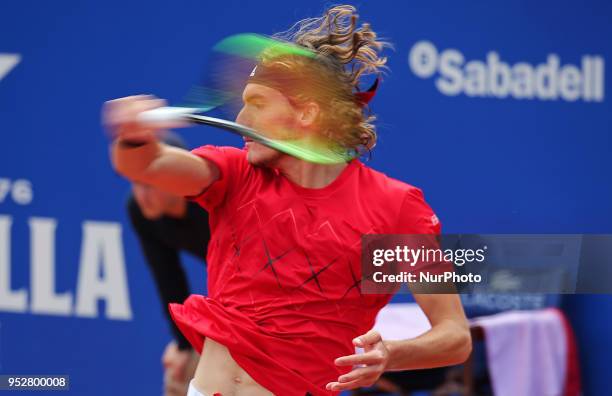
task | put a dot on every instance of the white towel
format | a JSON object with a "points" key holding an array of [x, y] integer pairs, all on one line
{"points": [[526, 352]]}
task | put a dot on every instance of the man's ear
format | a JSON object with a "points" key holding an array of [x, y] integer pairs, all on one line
{"points": [[309, 114]]}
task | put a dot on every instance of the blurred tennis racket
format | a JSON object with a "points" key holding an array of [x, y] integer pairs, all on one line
{"points": [[233, 59], [317, 154]]}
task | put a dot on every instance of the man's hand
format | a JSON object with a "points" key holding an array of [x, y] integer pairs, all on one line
{"points": [[120, 117], [137, 154], [369, 365], [179, 366], [178, 361]]}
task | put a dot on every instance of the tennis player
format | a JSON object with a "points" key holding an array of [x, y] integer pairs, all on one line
{"points": [[285, 310]]}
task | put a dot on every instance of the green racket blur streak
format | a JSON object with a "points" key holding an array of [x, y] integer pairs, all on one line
{"points": [[245, 45], [205, 99], [319, 155], [326, 157], [250, 45]]}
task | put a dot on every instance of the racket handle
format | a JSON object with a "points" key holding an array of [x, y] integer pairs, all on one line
{"points": [[166, 115]]}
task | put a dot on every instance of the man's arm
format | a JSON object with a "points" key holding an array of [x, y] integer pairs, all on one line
{"points": [[448, 342], [137, 154]]}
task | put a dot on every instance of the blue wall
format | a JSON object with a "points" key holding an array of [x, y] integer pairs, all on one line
{"points": [[487, 161]]}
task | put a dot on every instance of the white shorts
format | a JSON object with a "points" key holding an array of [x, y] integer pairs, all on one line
{"points": [[192, 391]]}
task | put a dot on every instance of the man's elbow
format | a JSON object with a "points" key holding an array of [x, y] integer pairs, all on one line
{"points": [[463, 345]]}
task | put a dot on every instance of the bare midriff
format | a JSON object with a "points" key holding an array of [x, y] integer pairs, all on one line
{"points": [[218, 372]]}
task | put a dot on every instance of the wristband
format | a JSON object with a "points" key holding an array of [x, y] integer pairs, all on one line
{"points": [[126, 143]]}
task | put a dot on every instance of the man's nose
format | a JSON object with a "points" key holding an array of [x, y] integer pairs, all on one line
{"points": [[243, 119]]}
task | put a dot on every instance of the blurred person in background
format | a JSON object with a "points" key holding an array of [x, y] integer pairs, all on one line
{"points": [[167, 225]]}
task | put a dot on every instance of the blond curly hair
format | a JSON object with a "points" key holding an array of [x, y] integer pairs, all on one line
{"points": [[345, 53]]}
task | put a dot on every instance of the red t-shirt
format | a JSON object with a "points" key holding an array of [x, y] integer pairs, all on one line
{"points": [[284, 267]]}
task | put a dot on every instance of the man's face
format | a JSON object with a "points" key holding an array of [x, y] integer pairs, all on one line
{"points": [[269, 112], [152, 201]]}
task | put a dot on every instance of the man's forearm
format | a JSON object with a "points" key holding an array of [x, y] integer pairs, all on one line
{"points": [[132, 161], [446, 344]]}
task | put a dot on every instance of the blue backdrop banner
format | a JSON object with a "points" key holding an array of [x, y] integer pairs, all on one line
{"points": [[499, 111]]}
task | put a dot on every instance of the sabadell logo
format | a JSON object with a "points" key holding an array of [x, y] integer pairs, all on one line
{"points": [[494, 78]]}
